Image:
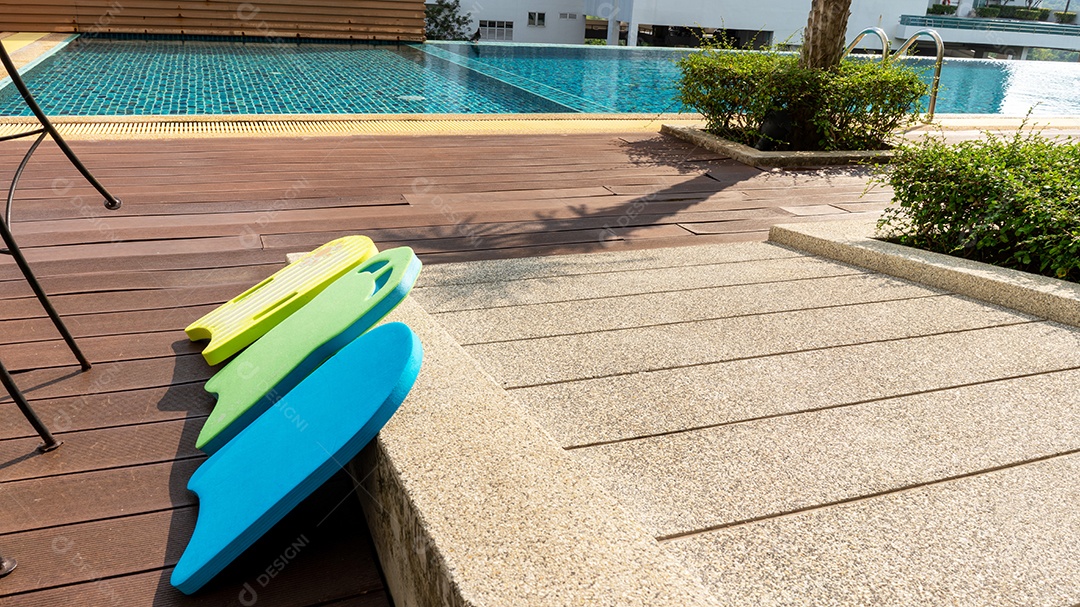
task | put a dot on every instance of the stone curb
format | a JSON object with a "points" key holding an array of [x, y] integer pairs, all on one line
{"points": [[756, 158], [471, 503], [995, 122], [851, 242]]}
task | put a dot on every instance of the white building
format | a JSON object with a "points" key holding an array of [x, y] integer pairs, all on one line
{"points": [[563, 21], [782, 20], [769, 22], [529, 21]]}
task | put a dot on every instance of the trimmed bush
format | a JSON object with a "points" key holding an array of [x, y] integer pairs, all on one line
{"points": [[1064, 17], [1021, 13], [1010, 201], [858, 106], [988, 12], [941, 9]]}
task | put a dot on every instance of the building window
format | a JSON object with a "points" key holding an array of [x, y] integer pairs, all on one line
{"points": [[496, 30], [537, 19], [568, 16]]}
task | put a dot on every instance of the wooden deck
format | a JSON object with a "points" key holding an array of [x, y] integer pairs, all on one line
{"points": [[102, 520]]}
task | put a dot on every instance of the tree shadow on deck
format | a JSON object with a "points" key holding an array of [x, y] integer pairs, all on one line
{"points": [[694, 197]]}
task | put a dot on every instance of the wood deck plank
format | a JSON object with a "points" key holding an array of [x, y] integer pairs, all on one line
{"points": [[96, 324], [123, 301], [85, 554], [62, 382], [139, 281], [48, 501], [104, 349], [100, 449], [107, 409]]}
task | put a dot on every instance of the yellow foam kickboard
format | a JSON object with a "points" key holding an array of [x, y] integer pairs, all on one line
{"points": [[248, 316], [15, 42]]}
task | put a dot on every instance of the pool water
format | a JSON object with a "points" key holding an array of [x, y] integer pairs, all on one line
{"points": [[101, 76], [134, 77]]}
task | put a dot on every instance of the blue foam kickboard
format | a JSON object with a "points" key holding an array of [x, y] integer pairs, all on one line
{"points": [[294, 447]]}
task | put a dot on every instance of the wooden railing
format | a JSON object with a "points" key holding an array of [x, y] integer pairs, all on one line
{"points": [[274, 19]]}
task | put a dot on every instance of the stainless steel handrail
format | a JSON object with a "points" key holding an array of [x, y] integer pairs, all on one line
{"points": [[906, 46], [880, 33]]}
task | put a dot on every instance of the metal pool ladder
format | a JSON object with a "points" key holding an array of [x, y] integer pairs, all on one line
{"points": [[904, 48], [877, 31]]}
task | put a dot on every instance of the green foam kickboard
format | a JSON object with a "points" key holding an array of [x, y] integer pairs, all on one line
{"points": [[262, 374]]}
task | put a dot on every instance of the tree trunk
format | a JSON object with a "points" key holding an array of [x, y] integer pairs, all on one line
{"points": [[823, 39]]}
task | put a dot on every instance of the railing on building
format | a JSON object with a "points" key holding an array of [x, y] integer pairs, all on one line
{"points": [[991, 25]]}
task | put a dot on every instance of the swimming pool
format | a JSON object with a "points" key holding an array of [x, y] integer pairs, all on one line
{"points": [[103, 76]]}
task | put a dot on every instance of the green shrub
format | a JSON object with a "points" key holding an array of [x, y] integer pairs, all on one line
{"points": [[941, 9], [988, 12], [1064, 17], [855, 107], [1044, 14], [1010, 201], [1021, 13]]}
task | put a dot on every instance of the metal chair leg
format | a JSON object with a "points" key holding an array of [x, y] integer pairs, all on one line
{"points": [[111, 202], [7, 565], [19, 172], [24, 406], [13, 250]]}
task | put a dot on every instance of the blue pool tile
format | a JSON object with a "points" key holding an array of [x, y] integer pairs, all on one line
{"points": [[98, 76]]}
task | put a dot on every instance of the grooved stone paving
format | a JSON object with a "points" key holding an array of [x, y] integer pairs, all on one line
{"points": [[617, 408], [1002, 538], [627, 311], [634, 350], [797, 431], [612, 284], [695, 480]]}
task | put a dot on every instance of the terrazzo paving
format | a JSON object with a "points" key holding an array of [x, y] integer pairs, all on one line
{"points": [[793, 430]]}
